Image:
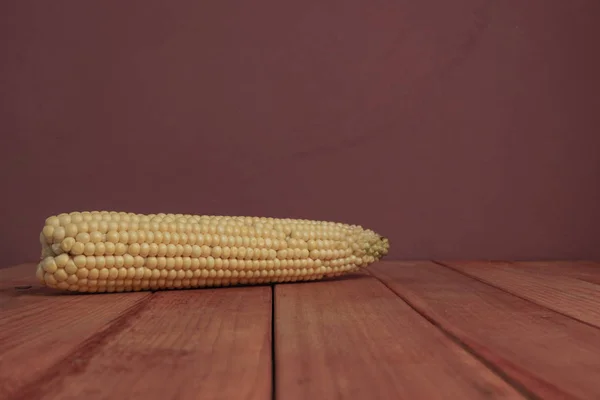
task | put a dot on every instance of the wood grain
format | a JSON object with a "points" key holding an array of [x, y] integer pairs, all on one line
{"points": [[20, 288], [353, 338], [191, 344], [22, 274], [587, 271], [40, 330], [554, 356], [556, 287]]}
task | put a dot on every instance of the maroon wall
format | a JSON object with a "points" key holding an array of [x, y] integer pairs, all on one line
{"points": [[460, 129]]}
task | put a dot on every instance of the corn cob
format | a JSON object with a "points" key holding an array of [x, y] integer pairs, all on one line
{"points": [[107, 251]]}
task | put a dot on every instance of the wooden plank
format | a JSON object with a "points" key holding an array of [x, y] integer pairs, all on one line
{"points": [[191, 344], [39, 330], [353, 338], [584, 270], [550, 285], [19, 287], [18, 275], [40, 327], [587, 271], [555, 356]]}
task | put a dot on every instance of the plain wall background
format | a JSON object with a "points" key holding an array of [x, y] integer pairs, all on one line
{"points": [[460, 129]]}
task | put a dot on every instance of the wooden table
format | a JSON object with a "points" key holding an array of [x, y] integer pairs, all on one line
{"points": [[400, 330]]}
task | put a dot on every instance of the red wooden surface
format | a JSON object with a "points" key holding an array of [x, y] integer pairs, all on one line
{"points": [[551, 354], [401, 330], [569, 288], [355, 339]]}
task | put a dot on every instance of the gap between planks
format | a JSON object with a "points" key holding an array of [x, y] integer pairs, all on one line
{"points": [[197, 341], [456, 339], [492, 355], [554, 356], [558, 287], [353, 338], [42, 327]]}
